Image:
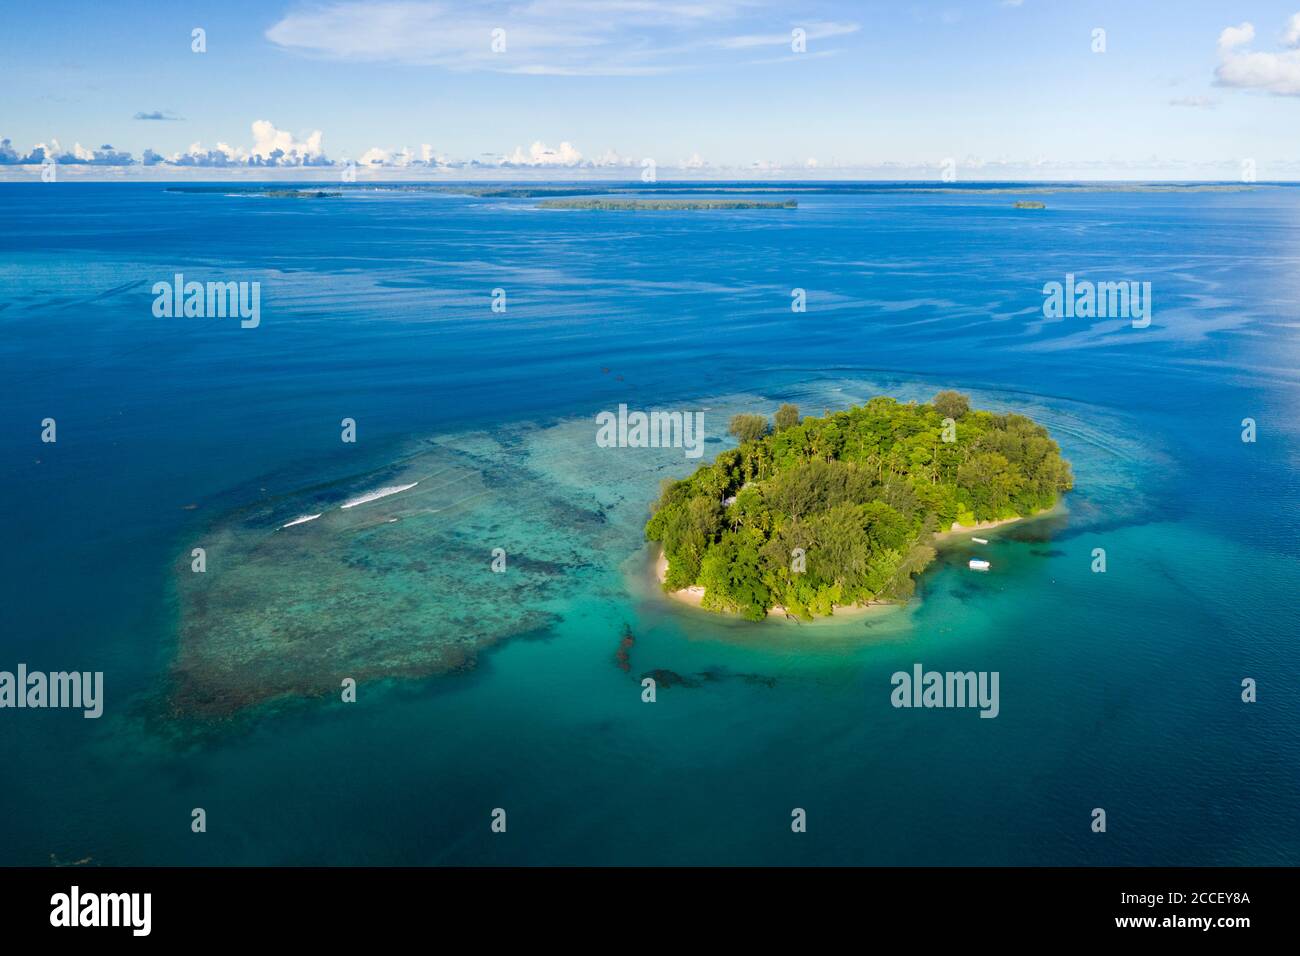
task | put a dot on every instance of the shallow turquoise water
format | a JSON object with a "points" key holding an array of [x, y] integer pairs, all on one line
{"points": [[1119, 690]]}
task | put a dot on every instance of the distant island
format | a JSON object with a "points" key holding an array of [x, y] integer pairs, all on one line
{"points": [[814, 514], [1029, 204], [300, 194], [258, 191], [637, 205]]}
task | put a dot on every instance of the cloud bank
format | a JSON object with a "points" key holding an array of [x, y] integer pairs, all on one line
{"points": [[52, 152]]}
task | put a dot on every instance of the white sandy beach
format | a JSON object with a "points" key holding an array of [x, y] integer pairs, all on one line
{"points": [[957, 530]]}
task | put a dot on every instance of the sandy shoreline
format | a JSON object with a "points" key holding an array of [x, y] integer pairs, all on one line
{"points": [[960, 529]]}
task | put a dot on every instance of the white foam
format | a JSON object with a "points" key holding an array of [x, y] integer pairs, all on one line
{"points": [[303, 520], [377, 494]]}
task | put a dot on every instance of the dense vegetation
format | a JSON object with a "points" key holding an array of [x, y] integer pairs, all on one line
{"points": [[842, 509]]}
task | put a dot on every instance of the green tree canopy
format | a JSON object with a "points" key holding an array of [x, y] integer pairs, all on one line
{"points": [[787, 416], [748, 427], [951, 404], [842, 509]]}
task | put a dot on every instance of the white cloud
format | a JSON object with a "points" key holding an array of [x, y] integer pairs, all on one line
{"points": [[401, 158], [636, 11], [79, 155], [219, 155], [539, 154], [1292, 35], [376, 157], [271, 147], [411, 32], [541, 37], [1277, 73], [814, 31], [267, 140], [612, 157], [1236, 36]]}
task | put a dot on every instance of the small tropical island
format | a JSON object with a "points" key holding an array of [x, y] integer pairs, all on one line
{"points": [[813, 514], [268, 192], [663, 205], [1029, 204]]}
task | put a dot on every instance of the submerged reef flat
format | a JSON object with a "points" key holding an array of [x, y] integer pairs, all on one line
{"points": [[662, 205], [301, 592], [394, 578]]}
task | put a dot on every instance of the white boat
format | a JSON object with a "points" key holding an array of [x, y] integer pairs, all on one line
{"points": [[979, 564], [980, 540]]}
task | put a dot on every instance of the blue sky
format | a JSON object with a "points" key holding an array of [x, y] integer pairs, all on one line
{"points": [[711, 88]]}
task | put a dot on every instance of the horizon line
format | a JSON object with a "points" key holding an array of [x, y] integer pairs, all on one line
{"points": [[83, 174]]}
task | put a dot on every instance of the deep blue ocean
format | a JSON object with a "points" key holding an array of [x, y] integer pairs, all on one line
{"points": [[1119, 690]]}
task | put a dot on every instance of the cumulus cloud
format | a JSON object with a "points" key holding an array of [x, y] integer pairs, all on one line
{"points": [[105, 155], [539, 154], [276, 148], [199, 155], [269, 142], [271, 147], [1248, 69], [1233, 37], [8, 155], [379, 156], [1292, 35], [612, 157], [79, 155]]}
